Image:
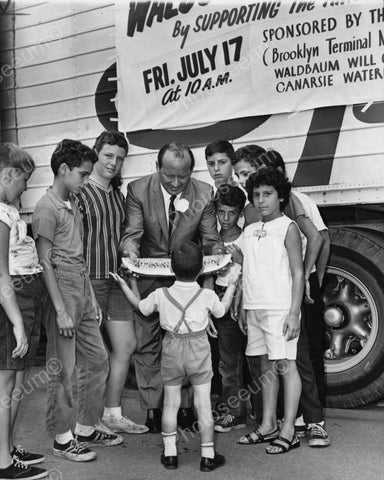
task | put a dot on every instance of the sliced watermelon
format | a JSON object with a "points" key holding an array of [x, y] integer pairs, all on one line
{"points": [[161, 267]]}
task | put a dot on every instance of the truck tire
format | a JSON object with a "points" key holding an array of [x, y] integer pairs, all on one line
{"points": [[354, 319]]}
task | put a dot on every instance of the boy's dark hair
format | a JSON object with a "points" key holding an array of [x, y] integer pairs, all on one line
{"points": [[112, 138], [72, 153], [178, 149], [231, 196], [220, 146], [271, 177], [187, 261], [249, 153], [272, 158]]}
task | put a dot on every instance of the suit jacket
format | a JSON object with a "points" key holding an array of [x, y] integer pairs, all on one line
{"points": [[146, 231]]}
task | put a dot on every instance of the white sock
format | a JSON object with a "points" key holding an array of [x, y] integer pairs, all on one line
{"points": [[207, 450], [316, 423], [299, 421], [84, 430], [112, 412], [169, 440], [63, 438]]}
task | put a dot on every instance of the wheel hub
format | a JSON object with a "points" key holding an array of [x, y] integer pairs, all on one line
{"points": [[333, 316]]}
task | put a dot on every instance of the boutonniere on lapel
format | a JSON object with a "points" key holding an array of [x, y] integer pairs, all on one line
{"points": [[181, 205]]}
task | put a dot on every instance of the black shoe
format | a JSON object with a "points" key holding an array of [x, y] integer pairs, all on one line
{"points": [[18, 470], [171, 463], [153, 421], [209, 464], [27, 457], [186, 419]]}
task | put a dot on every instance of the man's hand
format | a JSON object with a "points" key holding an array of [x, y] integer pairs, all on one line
{"points": [[291, 326], [21, 342], [133, 257], [65, 324], [243, 321]]}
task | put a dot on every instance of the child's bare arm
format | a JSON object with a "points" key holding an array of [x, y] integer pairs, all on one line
{"points": [[230, 291], [133, 299], [64, 321], [314, 243], [291, 326], [323, 258], [8, 298]]}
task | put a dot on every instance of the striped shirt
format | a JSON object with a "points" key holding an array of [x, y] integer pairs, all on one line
{"points": [[103, 213]]}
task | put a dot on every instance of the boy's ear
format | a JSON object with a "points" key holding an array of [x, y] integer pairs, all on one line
{"points": [[63, 168]]}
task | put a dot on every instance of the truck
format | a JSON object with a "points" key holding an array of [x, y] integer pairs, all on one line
{"points": [[60, 77]]}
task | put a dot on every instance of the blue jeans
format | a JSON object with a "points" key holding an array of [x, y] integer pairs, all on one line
{"points": [[84, 353], [232, 344]]}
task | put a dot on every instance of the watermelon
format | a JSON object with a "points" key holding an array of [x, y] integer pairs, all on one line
{"points": [[161, 267]]}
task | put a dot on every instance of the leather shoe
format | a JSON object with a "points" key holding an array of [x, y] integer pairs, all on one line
{"points": [[209, 464], [153, 421], [171, 462], [186, 419]]}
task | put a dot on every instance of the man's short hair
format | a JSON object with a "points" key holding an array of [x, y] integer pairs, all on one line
{"points": [[230, 196], [72, 153], [220, 146], [271, 177], [187, 261], [249, 153], [179, 151]]}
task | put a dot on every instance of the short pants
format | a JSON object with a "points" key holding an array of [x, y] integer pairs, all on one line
{"points": [[28, 291], [112, 300], [186, 356], [265, 335]]}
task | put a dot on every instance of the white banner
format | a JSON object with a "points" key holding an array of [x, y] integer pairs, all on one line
{"points": [[187, 63]]}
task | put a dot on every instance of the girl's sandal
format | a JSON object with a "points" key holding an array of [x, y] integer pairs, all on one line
{"points": [[284, 445], [256, 437]]}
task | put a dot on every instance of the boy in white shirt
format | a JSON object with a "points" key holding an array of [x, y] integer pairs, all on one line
{"points": [[184, 310]]}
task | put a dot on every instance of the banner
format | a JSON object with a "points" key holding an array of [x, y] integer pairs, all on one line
{"points": [[195, 62]]}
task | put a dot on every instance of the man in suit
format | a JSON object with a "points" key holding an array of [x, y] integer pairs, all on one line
{"points": [[163, 210]]}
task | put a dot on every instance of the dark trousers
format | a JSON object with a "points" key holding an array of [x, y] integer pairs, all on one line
{"points": [[231, 351]]}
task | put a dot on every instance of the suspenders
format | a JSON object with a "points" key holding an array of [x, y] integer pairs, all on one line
{"points": [[182, 309]]}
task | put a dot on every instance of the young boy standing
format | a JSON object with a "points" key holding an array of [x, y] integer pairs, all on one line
{"points": [[184, 309], [73, 335], [230, 202], [219, 156]]}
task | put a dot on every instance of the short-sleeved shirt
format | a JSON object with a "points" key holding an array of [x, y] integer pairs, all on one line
{"points": [[103, 213], [22, 259], [62, 226], [197, 315]]}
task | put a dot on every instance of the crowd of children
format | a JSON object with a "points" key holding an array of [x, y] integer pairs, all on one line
{"points": [[266, 306]]}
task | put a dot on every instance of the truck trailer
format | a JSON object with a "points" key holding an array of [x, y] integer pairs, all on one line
{"points": [[62, 76]]}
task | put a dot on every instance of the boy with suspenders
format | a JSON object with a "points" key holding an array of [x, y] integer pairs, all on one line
{"points": [[184, 310]]}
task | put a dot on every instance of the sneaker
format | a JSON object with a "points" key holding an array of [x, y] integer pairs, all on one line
{"points": [[100, 439], [318, 436], [228, 423], [123, 425], [27, 457], [18, 470], [74, 451]]}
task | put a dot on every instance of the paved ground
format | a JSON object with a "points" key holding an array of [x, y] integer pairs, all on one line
{"points": [[356, 451]]}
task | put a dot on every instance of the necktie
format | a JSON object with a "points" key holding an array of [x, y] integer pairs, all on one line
{"points": [[171, 215]]}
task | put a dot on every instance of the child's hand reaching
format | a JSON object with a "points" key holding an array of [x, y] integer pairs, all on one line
{"points": [[291, 326], [234, 274], [118, 279], [21, 341], [235, 251]]}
